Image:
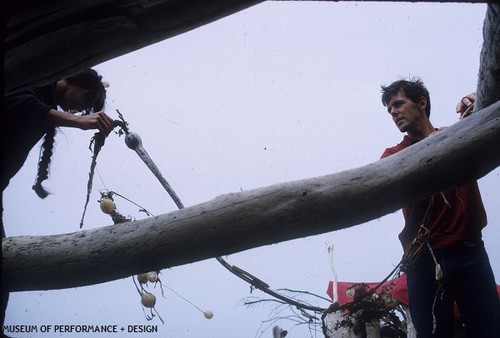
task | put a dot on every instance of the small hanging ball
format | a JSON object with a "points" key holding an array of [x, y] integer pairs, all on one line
{"points": [[107, 205], [208, 314], [152, 276], [133, 140], [142, 278], [148, 299]]}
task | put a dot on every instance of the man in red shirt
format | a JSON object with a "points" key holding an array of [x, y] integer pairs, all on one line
{"points": [[444, 256]]}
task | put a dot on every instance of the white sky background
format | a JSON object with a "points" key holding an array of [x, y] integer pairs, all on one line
{"points": [[278, 92]]}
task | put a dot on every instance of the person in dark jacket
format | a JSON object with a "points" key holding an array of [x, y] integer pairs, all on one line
{"points": [[30, 115]]}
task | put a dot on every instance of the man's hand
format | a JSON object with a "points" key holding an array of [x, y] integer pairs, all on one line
{"points": [[464, 107]]}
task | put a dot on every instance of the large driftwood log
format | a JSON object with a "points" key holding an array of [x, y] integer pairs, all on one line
{"points": [[234, 222], [46, 41]]}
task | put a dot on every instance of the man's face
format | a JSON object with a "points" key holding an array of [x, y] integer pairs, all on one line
{"points": [[405, 113]]}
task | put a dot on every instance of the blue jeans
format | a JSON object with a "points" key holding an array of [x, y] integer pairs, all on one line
{"points": [[468, 280]]}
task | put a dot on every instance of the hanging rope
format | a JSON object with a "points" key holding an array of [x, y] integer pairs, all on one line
{"points": [[98, 142]]}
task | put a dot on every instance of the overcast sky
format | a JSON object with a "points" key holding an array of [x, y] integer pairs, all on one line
{"points": [[278, 92]]}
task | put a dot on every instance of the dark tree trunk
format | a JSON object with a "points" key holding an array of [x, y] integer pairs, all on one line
{"points": [[488, 88], [48, 40]]}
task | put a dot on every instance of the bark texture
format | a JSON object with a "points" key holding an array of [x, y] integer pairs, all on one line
{"points": [[488, 89], [238, 221]]}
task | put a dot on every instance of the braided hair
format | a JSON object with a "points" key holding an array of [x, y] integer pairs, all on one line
{"points": [[43, 162], [91, 81]]}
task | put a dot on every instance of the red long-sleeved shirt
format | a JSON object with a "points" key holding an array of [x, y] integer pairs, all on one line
{"points": [[456, 215]]}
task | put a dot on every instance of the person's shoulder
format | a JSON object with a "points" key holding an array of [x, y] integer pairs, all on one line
{"points": [[47, 90], [406, 142], [44, 95]]}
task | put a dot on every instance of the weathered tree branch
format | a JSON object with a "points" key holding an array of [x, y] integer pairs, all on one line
{"points": [[46, 41], [488, 89], [234, 222]]}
